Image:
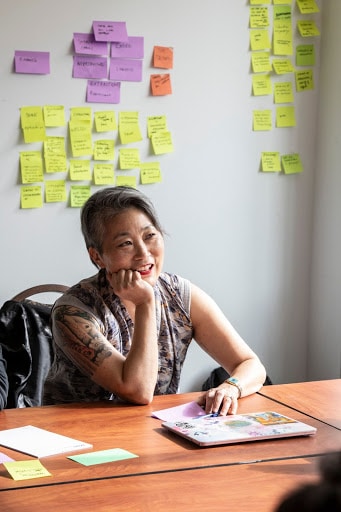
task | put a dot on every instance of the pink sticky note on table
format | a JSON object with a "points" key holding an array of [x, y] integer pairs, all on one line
{"points": [[36, 63], [5, 458], [180, 412]]}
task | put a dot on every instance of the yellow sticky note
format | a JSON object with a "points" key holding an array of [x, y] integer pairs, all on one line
{"points": [[55, 191], [54, 145], [260, 39], [162, 143], [261, 62], [55, 154], [307, 6], [105, 121], [80, 138], [282, 66], [31, 165], [29, 115], [79, 194], [285, 117], [259, 17], [260, 2], [128, 127], [104, 149], [126, 181], [54, 115], [104, 174], [26, 469], [304, 80], [31, 197], [150, 172], [261, 85], [81, 114], [282, 2], [305, 55], [282, 12], [156, 124], [307, 28], [55, 163], [292, 163], [129, 158], [283, 92], [282, 37], [271, 161], [80, 170], [262, 120]]}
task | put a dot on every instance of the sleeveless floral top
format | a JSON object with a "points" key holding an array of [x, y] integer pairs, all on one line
{"points": [[65, 383]]}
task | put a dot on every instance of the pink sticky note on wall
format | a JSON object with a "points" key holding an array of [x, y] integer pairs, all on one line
{"points": [[110, 30], [37, 63], [129, 70], [89, 67], [131, 49], [100, 91]]}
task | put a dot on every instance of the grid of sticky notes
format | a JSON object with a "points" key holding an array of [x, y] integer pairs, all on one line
{"points": [[281, 69], [94, 148], [91, 148]]}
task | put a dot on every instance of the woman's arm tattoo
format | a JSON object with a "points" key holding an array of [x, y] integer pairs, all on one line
{"points": [[77, 334]]}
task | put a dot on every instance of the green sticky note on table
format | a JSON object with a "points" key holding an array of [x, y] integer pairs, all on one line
{"points": [[100, 457]]}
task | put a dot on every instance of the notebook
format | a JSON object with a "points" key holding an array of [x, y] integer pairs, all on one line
{"points": [[212, 430], [39, 442]]}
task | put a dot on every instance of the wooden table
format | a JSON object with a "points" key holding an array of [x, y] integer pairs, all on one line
{"points": [[169, 473], [240, 488], [318, 399], [133, 428]]}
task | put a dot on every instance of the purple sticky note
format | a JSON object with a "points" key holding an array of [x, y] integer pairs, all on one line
{"points": [[5, 458], [99, 91], [180, 412], [129, 70], [86, 44], [89, 67], [110, 30], [37, 63], [131, 49]]}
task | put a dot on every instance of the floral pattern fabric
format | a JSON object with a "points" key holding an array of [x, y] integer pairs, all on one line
{"points": [[65, 383]]}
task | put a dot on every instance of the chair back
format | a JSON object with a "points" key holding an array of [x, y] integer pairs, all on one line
{"points": [[26, 343]]}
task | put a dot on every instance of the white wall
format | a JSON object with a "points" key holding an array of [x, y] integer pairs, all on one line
{"points": [[244, 236], [325, 319]]}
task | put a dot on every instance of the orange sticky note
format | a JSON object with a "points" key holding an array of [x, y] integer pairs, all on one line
{"points": [[160, 84], [163, 57]]}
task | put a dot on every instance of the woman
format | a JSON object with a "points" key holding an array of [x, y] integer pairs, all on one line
{"points": [[124, 333]]}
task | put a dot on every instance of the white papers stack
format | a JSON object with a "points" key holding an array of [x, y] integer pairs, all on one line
{"points": [[39, 442]]}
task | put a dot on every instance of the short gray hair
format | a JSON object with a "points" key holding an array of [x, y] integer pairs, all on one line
{"points": [[105, 204]]}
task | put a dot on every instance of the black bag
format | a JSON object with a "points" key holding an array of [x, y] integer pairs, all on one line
{"points": [[26, 342]]}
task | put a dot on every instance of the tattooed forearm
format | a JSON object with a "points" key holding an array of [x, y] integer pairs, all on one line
{"points": [[78, 335]]}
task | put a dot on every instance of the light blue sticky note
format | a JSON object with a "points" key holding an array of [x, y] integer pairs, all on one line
{"points": [[111, 455]]}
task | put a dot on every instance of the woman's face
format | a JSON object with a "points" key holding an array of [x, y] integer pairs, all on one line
{"points": [[131, 242]]}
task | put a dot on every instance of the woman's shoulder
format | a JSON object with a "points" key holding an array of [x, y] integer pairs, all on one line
{"points": [[175, 287], [174, 281], [88, 292]]}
